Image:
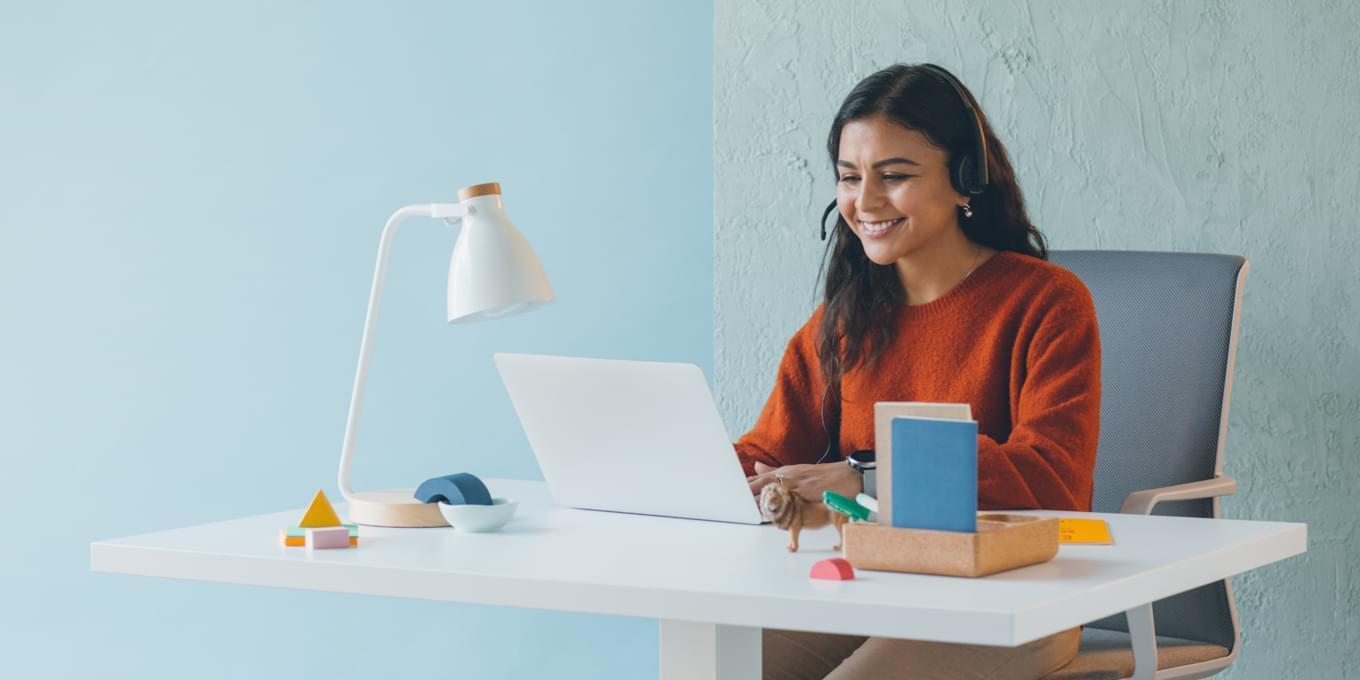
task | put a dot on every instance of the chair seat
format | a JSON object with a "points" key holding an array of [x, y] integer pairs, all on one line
{"points": [[1108, 655]]}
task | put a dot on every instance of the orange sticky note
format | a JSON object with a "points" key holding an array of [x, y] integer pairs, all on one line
{"points": [[300, 541], [1094, 531]]}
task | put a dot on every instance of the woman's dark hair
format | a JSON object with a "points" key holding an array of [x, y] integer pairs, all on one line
{"points": [[860, 297]]}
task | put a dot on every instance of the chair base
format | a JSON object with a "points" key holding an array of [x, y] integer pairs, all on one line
{"points": [[1108, 655]]}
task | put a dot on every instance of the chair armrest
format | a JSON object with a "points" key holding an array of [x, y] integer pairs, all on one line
{"points": [[1142, 502]]}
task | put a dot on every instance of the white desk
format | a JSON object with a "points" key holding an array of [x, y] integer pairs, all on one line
{"points": [[713, 585]]}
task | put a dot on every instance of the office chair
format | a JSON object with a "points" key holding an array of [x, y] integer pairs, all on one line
{"points": [[1168, 331]]}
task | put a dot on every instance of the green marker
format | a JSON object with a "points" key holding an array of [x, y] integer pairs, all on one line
{"points": [[845, 506]]}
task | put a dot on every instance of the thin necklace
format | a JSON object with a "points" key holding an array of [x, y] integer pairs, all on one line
{"points": [[975, 264], [976, 256]]}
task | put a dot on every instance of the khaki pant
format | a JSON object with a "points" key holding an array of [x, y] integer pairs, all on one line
{"points": [[793, 655]]}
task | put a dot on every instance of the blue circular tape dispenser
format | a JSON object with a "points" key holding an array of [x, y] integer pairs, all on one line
{"points": [[461, 488]]}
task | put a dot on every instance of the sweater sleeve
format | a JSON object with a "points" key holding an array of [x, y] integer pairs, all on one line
{"points": [[1048, 461], [789, 430]]}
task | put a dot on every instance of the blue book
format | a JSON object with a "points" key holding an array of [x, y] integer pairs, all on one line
{"points": [[934, 474]]}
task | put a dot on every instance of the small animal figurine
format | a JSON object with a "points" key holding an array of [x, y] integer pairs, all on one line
{"points": [[786, 510]]}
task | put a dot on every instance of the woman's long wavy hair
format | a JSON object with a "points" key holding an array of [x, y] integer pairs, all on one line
{"points": [[860, 298]]}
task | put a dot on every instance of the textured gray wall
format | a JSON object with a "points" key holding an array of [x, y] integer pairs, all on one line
{"points": [[1183, 126]]}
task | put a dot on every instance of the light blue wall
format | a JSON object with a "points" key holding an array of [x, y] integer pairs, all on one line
{"points": [[1188, 126], [190, 201]]}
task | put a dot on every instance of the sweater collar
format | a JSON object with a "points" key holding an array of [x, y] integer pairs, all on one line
{"points": [[966, 290]]}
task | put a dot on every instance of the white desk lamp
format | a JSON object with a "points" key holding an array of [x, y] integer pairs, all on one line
{"points": [[493, 273]]}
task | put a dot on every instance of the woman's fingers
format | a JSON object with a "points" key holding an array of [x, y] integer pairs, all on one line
{"points": [[807, 481], [791, 476], [758, 482], [765, 475]]}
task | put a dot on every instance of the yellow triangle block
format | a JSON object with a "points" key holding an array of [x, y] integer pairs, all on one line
{"points": [[320, 513]]}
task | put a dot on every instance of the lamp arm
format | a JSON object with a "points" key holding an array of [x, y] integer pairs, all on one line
{"points": [[447, 211]]}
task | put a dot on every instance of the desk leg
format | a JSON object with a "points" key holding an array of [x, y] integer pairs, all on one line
{"points": [[1143, 636], [708, 651]]}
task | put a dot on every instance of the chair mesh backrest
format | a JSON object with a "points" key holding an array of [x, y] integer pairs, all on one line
{"points": [[1165, 332]]}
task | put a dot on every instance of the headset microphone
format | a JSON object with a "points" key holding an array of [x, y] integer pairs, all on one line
{"points": [[826, 212]]}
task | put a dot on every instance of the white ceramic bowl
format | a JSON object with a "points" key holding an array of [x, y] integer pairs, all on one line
{"points": [[478, 518]]}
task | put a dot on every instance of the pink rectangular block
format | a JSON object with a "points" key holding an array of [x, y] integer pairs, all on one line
{"points": [[328, 537]]}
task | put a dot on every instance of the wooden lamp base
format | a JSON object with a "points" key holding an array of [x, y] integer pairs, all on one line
{"points": [[393, 508]]}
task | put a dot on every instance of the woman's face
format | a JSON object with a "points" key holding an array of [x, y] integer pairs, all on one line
{"points": [[893, 188]]}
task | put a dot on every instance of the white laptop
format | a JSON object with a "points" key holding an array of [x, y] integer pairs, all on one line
{"points": [[628, 436]]}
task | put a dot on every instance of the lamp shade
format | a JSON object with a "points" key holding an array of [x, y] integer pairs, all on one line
{"points": [[494, 271]]}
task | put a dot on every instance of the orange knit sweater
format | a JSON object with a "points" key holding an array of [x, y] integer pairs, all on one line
{"points": [[1017, 340]]}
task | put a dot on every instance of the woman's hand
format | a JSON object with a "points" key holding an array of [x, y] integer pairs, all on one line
{"points": [[809, 481]]}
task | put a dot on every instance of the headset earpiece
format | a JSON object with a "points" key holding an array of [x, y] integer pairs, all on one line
{"points": [[967, 170], [965, 176]]}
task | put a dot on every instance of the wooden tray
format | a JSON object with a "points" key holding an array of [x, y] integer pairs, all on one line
{"points": [[1002, 542]]}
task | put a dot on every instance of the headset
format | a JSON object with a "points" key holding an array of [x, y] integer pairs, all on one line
{"points": [[967, 174], [967, 171]]}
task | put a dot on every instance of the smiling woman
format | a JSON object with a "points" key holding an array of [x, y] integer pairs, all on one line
{"points": [[943, 163], [936, 289]]}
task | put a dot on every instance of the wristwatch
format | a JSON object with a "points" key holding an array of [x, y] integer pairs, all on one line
{"points": [[863, 463]]}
